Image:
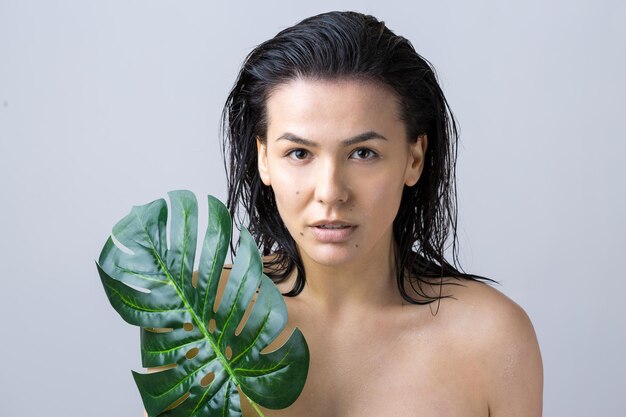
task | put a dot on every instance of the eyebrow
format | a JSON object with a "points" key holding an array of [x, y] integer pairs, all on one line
{"points": [[350, 141]]}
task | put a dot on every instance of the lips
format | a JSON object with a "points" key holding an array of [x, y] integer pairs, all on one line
{"points": [[332, 231], [331, 226]]}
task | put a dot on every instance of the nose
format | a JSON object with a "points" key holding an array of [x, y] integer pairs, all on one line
{"points": [[330, 187]]}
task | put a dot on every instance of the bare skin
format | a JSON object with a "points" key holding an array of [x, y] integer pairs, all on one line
{"points": [[477, 356]]}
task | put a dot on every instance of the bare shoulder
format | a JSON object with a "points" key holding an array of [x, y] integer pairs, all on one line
{"points": [[488, 310], [501, 338]]}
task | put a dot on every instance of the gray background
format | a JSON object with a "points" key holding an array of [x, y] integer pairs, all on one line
{"points": [[108, 104]]}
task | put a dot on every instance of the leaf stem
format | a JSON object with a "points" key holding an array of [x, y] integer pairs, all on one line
{"points": [[255, 406]]}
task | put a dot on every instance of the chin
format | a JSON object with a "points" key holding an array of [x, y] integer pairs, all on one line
{"points": [[331, 255]]}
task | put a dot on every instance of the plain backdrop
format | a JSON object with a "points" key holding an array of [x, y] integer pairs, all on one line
{"points": [[109, 104]]}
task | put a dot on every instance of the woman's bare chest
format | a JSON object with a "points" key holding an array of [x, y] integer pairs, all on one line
{"points": [[380, 368]]}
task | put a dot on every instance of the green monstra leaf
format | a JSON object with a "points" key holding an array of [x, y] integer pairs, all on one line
{"points": [[151, 285]]}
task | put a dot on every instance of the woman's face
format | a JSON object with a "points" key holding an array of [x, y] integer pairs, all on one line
{"points": [[337, 157]]}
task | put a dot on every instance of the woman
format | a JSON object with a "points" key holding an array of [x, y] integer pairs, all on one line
{"points": [[341, 151]]}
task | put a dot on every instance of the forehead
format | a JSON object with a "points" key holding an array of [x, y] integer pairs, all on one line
{"points": [[336, 107]]}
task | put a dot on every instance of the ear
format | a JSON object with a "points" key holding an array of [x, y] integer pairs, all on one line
{"points": [[262, 162], [415, 163]]}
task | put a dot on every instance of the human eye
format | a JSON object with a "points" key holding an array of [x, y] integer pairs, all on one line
{"points": [[364, 154], [298, 154]]}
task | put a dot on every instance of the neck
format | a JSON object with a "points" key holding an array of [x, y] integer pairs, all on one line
{"points": [[367, 282]]}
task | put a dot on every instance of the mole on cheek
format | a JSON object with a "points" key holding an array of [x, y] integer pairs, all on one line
{"points": [[357, 245], [297, 191], [301, 234]]}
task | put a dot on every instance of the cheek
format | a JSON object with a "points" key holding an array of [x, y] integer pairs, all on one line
{"points": [[290, 209], [385, 195], [289, 192]]}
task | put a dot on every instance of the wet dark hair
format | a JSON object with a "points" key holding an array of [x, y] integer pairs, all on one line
{"points": [[352, 46]]}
